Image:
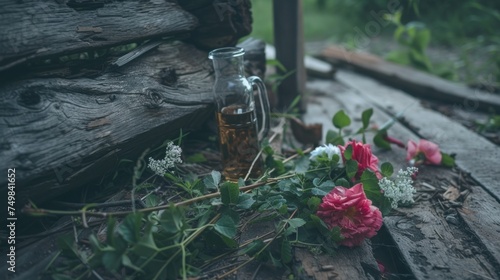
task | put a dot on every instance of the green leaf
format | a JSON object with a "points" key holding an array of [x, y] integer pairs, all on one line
{"points": [[384, 206], [320, 225], [68, 246], [333, 137], [379, 140], [254, 247], [128, 263], [370, 183], [341, 119], [110, 230], [213, 181], [245, 201], [351, 168], [274, 202], [286, 251], [131, 227], [152, 200], [322, 189], [387, 169], [229, 242], [229, 193], [313, 203], [302, 165], [111, 260], [336, 235], [296, 222], [447, 160], [366, 116], [343, 183], [94, 243], [172, 220], [226, 226], [274, 261], [348, 152], [275, 62], [146, 245]]}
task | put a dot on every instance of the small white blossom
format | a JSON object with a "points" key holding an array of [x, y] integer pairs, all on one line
{"points": [[400, 190], [328, 150], [172, 156]]}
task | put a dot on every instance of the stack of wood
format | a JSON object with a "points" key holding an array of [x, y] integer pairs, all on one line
{"points": [[71, 109]]}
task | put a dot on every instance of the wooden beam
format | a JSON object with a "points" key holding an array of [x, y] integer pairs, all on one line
{"points": [[289, 43], [35, 29], [415, 82], [60, 134]]}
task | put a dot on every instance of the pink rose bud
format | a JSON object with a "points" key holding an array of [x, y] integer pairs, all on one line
{"points": [[425, 151]]}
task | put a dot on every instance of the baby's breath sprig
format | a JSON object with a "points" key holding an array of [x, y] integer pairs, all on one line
{"points": [[172, 156], [400, 190]]}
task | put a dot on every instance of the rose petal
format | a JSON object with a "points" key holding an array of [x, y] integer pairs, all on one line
{"points": [[411, 150], [431, 151]]}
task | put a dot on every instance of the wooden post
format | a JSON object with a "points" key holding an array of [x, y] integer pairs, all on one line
{"points": [[289, 43]]}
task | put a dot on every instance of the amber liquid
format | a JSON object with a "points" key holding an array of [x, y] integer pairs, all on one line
{"points": [[239, 144]]}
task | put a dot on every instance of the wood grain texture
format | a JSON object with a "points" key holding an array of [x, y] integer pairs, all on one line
{"points": [[35, 29], [60, 134], [433, 248], [413, 81], [346, 264]]}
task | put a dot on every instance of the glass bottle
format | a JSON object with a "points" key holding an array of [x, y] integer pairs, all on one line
{"points": [[239, 134]]}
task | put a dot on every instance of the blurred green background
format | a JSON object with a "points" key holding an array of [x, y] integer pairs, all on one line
{"points": [[456, 39]]}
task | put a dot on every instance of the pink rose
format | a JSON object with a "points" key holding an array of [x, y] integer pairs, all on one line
{"points": [[350, 210], [425, 151], [362, 153]]}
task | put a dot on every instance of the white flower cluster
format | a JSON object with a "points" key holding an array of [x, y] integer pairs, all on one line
{"points": [[172, 156], [328, 150], [400, 190]]}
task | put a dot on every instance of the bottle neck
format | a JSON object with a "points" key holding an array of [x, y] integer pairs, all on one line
{"points": [[228, 67]]}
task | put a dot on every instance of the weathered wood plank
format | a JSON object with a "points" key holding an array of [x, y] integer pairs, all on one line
{"points": [[433, 248], [314, 67], [35, 29], [346, 264], [413, 81], [59, 134], [475, 154]]}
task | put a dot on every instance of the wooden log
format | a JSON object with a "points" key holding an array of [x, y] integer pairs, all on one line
{"points": [[36, 29], [60, 134], [221, 22], [432, 247], [413, 81]]}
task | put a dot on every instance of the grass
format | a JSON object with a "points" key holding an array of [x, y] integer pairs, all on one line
{"points": [[469, 30], [333, 22]]}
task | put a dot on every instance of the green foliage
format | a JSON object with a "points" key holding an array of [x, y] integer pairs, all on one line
{"points": [[174, 242], [415, 38]]}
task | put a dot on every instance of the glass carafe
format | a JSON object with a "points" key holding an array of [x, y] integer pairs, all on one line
{"points": [[239, 131]]}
